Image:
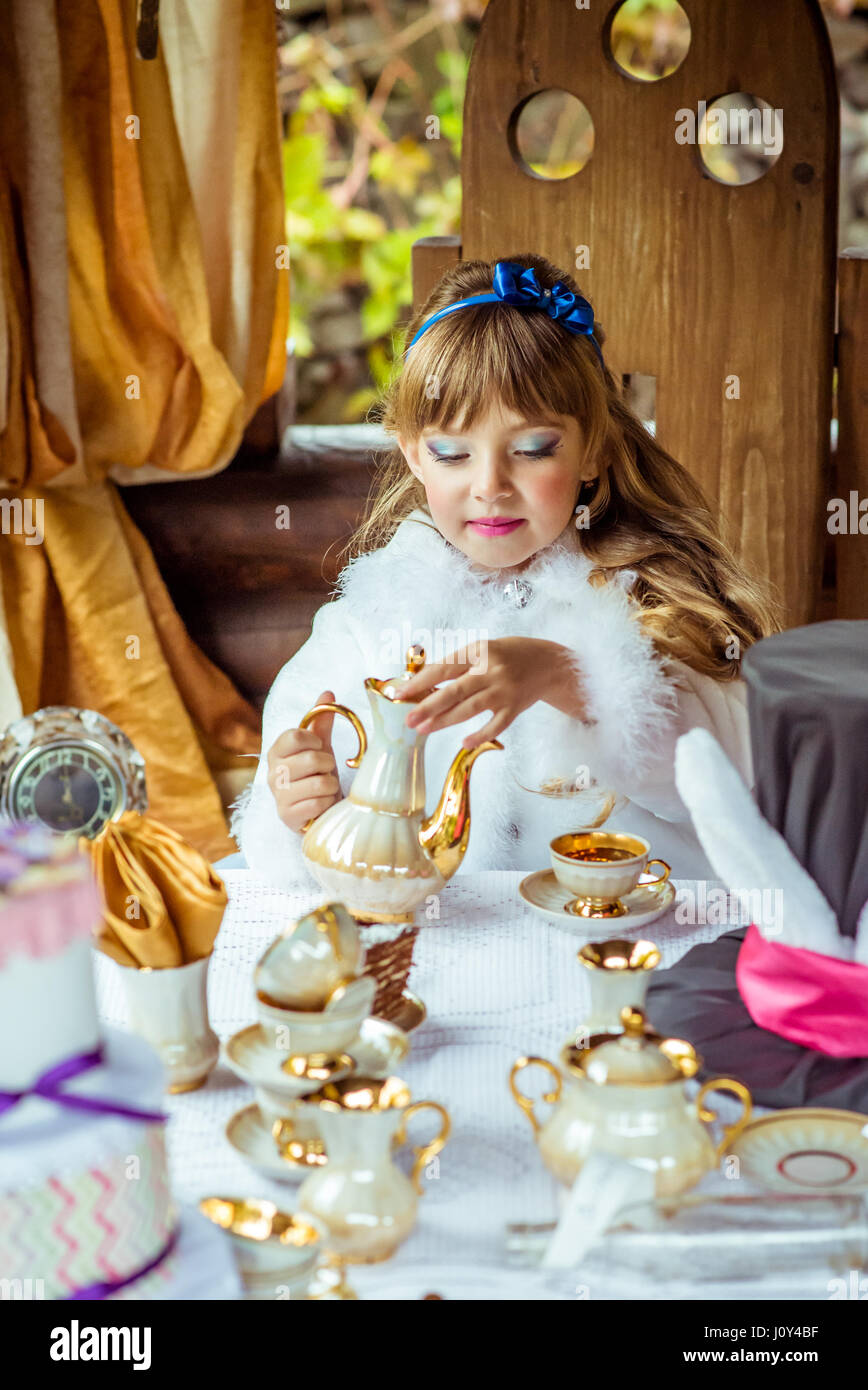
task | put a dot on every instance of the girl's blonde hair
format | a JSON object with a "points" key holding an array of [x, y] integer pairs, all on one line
{"points": [[646, 513]]}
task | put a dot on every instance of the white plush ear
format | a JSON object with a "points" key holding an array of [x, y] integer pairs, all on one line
{"points": [[748, 854], [861, 952]]}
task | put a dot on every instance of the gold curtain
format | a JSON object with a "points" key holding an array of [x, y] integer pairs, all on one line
{"points": [[143, 319]]}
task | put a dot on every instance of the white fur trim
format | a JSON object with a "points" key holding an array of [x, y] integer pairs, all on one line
{"points": [[237, 809], [860, 952], [748, 853], [418, 587]]}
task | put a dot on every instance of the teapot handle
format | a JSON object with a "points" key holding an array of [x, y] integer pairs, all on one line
{"points": [[424, 1152], [731, 1132], [357, 725], [525, 1102], [348, 714]]}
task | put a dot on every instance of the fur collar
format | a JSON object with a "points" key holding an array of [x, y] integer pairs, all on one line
{"points": [[418, 554], [420, 589]]}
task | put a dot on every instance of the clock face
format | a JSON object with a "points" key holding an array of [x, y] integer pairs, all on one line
{"points": [[68, 787]]}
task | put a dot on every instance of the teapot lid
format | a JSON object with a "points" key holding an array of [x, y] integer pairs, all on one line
{"points": [[636, 1057], [391, 686]]}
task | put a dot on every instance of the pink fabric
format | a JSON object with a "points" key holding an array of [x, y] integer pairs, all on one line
{"points": [[44, 922], [817, 1001]]}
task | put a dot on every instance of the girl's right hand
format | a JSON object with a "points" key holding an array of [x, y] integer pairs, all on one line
{"points": [[302, 771]]}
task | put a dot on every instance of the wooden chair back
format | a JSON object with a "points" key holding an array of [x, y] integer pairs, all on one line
{"points": [[725, 294]]}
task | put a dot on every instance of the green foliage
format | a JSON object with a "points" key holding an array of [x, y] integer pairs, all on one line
{"points": [[358, 195]]}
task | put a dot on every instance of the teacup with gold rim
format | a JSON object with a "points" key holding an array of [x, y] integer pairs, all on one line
{"points": [[600, 867], [306, 963], [276, 1253], [328, 1029]]}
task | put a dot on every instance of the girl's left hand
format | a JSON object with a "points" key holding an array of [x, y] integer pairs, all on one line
{"points": [[506, 675]]}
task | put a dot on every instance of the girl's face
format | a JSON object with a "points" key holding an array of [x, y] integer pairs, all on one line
{"points": [[503, 490]]}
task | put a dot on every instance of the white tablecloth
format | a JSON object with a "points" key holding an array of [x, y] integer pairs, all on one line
{"points": [[498, 981]]}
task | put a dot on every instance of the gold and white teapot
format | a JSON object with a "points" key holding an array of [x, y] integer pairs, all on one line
{"points": [[376, 851], [625, 1095]]}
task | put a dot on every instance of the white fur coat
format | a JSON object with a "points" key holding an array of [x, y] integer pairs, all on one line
{"points": [[419, 588]]}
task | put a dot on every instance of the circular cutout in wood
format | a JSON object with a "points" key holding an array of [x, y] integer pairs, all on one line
{"points": [[738, 137], [551, 134], [648, 40]]}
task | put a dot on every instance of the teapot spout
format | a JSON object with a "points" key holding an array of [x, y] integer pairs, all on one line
{"points": [[446, 831]]}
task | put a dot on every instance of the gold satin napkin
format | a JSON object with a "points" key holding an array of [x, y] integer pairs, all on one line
{"points": [[162, 901]]}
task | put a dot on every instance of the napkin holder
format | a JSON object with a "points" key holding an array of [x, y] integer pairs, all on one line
{"points": [[169, 1009], [162, 904]]}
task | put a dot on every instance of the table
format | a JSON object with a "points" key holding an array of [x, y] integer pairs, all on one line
{"points": [[498, 980]]}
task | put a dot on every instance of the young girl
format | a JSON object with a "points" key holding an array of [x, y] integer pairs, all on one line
{"points": [[564, 574]]}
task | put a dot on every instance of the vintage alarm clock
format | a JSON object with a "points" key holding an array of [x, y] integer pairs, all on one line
{"points": [[70, 770]]}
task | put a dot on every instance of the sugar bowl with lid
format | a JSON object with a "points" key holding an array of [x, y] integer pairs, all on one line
{"points": [[625, 1094]]}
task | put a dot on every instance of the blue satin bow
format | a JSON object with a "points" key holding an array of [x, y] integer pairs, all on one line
{"points": [[518, 285]]}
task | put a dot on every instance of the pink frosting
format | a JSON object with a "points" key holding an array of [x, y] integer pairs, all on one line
{"points": [[818, 1001], [44, 922]]}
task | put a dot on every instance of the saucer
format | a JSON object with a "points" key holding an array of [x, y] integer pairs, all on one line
{"points": [[253, 1057], [810, 1150], [591, 806], [250, 1136], [378, 1048], [545, 895]]}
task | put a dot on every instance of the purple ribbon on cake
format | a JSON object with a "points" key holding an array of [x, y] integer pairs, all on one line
{"points": [[105, 1287], [49, 1083], [48, 1086]]}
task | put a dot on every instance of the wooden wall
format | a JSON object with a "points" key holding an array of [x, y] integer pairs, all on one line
{"points": [[246, 589]]}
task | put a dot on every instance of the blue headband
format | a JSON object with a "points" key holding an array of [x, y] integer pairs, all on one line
{"points": [[518, 285]]}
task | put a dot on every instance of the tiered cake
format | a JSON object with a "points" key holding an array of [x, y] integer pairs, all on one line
{"points": [[85, 1208]]}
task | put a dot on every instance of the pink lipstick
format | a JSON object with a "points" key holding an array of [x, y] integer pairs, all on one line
{"points": [[495, 526]]}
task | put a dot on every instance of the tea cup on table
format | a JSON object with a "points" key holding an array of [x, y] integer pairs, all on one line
{"points": [[276, 1252], [305, 964], [600, 867], [316, 1030]]}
